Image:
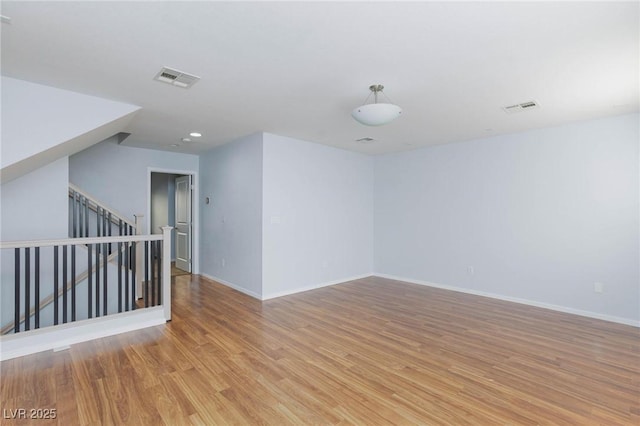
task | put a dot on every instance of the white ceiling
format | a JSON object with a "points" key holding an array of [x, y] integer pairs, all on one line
{"points": [[298, 69]]}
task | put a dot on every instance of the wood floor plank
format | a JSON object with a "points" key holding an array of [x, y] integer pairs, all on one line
{"points": [[366, 352]]}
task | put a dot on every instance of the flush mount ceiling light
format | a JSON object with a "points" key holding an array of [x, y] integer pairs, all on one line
{"points": [[195, 134], [376, 114]]}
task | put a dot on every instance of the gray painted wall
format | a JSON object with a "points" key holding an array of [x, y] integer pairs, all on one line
{"points": [[34, 207], [541, 216], [317, 217], [231, 229], [117, 175], [159, 202]]}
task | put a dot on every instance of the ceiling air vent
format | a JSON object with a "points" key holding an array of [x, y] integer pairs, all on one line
{"points": [[365, 140], [511, 109], [176, 78]]}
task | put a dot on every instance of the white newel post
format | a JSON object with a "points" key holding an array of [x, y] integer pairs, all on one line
{"points": [[166, 271], [139, 255]]}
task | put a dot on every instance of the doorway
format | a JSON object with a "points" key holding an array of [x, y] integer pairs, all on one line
{"points": [[171, 204]]}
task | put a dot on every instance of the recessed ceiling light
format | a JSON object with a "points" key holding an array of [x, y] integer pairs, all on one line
{"points": [[174, 145], [195, 134], [186, 140]]}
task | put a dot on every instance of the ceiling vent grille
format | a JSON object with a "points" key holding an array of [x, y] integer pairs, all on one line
{"points": [[525, 106], [176, 78], [365, 140]]}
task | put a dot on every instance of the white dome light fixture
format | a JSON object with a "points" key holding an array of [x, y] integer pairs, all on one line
{"points": [[376, 114]]}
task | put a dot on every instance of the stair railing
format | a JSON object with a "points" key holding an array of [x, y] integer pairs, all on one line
{"points": [[50, 268], [107, 222]]}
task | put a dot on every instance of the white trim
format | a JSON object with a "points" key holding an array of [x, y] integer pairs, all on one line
{"points": [[166, 272], [195, 211], [565, 309], [44, 339], [233, 286], [287, 292], [78, 241], [314, 287]]}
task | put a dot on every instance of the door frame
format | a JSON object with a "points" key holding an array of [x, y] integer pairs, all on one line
{"points": [[195, 211]]}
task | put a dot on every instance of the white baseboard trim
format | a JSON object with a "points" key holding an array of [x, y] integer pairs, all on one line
{"points": [[233, 286], [283, 293], [61, 336], [552, 307], [313, 287]]}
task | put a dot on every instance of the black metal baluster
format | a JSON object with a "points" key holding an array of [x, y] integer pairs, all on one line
{"points": [[119, 277], [104, 223], [80, 216], [146, 274], [86, 217], [120, 227], [37, 286], [78, 203], [126, 276], [73, 283], [97, 223], [27, 288], [97, 279], [64, 285], [89, 280], [16, 306], [105, 261], [109, 229], [133, 276], [73, 215], [159, 243], [55, 285], [153, 273]]}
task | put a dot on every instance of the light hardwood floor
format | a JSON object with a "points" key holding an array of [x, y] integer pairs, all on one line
{"points": [[372, 351]]}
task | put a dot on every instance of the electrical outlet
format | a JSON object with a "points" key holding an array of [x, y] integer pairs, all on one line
{"points": [[598, 287], [470, 270], [224, 263]]}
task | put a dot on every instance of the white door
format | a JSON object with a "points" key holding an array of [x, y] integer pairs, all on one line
{"points": [[183, 223]]}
